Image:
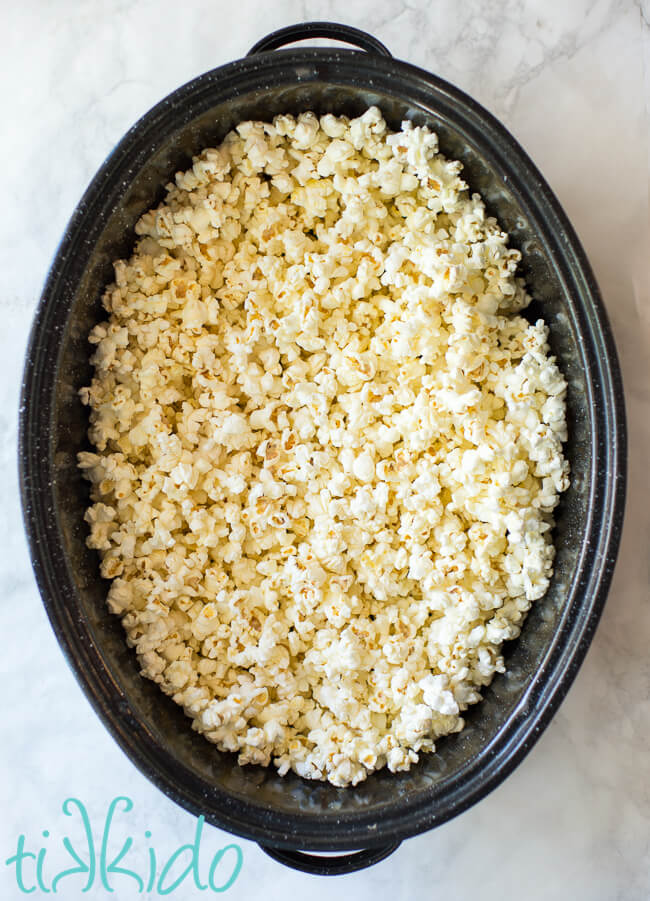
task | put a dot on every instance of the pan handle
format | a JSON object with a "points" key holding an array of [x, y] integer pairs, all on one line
{"points": [[330, 866], [333, 30]]}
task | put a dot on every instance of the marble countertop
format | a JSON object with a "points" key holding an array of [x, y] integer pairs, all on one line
{"points": [[571, 80]]}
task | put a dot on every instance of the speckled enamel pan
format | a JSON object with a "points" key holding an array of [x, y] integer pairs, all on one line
{"points": [[288, 815]]}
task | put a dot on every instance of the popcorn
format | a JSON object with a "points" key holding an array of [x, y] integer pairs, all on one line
{"points": [[363, 467], [327, 447]]}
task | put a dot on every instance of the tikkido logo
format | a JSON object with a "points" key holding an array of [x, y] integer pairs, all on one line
{"points": [[95, 866]]}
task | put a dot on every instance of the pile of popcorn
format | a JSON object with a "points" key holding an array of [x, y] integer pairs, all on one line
{"points": [[327, 445]]}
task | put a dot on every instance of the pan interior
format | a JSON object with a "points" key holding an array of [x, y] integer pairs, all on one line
{"points": [[153, 721]]}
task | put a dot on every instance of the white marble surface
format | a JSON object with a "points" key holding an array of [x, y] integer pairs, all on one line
{"points": [[571, 79]]}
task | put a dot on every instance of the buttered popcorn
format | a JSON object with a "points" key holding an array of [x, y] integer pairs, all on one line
{"points": [[328, 447]]}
